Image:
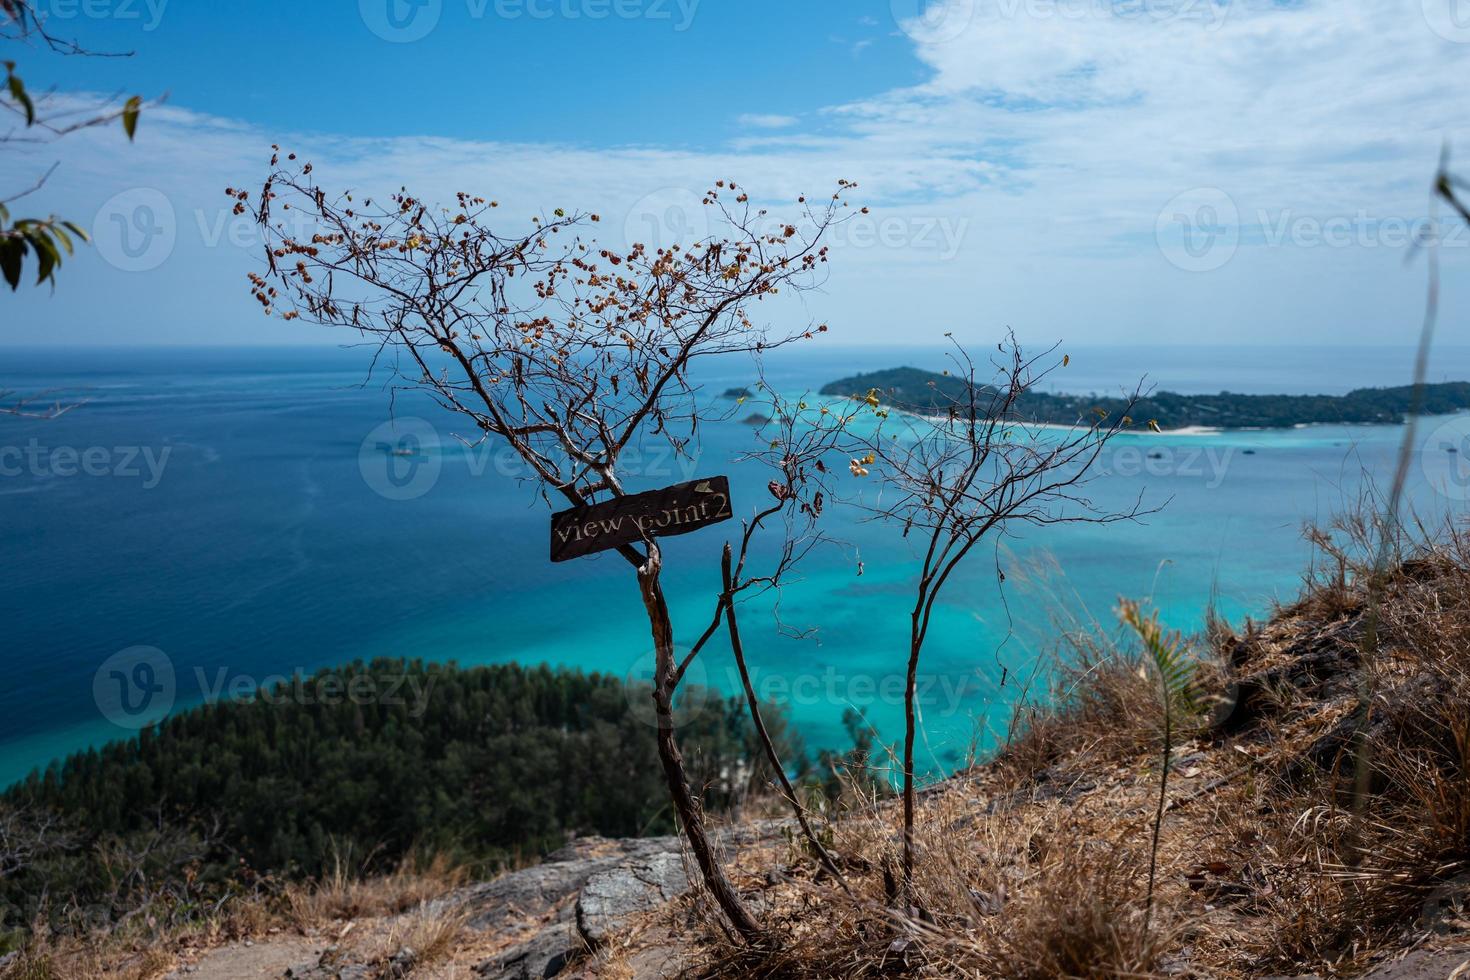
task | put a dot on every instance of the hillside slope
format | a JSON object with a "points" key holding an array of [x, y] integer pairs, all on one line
{"points": [[1274, 859]]}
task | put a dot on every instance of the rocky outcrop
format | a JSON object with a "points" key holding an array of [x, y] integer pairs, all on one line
{"points": [[579, 898], [612, 897]]}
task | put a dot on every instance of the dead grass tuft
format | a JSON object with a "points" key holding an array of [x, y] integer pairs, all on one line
{"points": [[346, 894]]}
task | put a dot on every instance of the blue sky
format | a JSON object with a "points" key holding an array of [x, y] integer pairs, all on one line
{"points": [[1133, 171], [519, 70]]}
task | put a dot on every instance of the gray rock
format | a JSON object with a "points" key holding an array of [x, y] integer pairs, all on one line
{"points": [[536, 891], [658, 961], [610, 898], [1447, 908], [545, 954], [314, 970], [1423, 964]]}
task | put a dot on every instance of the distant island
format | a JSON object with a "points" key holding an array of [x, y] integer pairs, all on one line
{"points": [[927, 392]]}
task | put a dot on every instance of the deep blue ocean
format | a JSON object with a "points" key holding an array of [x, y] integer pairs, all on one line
{"points": [[239, 516]]}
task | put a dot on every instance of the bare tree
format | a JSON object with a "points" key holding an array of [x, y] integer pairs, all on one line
{"points": [[973, 466], [800, 440], [567, 352], [42, 405], [28, 834]]}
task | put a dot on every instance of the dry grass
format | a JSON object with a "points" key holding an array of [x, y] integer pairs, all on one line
{"points": [[1305, 829], [345, 894], [142, 948], [129, 952], [411, 941]]}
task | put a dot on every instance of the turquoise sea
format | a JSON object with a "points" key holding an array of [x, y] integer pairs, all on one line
{"points": [[211, 519]]}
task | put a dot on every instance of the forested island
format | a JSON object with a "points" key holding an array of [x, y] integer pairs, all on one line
{"points": [[928, 392], [498, 767]]}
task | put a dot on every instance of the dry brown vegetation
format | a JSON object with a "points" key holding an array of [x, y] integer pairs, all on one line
{"points": [[1275, 855], [402, 910]]}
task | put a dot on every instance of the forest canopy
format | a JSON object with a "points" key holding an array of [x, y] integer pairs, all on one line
{"points": [[496, 765], [930, 392]]}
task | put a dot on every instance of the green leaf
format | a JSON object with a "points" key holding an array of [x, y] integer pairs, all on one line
{"points": [[79, 232], [18, 93], [46, 256], [130, 115], [11, 251]]}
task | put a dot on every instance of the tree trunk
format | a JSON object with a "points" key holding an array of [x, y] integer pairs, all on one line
{"points": [[686, 805], [908, 773]]}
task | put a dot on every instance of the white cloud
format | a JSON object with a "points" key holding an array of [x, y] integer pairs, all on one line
{"points": [[1022, 183]]}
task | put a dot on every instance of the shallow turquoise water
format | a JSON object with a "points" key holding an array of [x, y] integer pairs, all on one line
{"points": [[259, 541]]}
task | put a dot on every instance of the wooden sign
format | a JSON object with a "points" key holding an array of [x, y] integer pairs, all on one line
{"points": [[625, 520]]}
